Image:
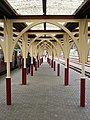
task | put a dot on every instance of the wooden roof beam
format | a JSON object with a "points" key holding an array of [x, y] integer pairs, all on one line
{"points": [[43, 17]]}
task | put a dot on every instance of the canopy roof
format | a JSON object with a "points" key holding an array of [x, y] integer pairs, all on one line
{"points": [[44, 9], [48, 7], [23, 9]]}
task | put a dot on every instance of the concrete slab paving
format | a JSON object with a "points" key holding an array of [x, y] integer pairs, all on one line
{"points": [[44, 97]]}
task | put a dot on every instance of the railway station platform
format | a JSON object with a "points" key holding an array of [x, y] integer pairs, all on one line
{"points": [[36, 35], [44, 97]]}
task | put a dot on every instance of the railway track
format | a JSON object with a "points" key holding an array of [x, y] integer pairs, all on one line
{"points": [[77, 69]]}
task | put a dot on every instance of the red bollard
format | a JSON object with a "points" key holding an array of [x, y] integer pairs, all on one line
{"points": [[22, 69], [58, 69], [38, 63], [82, 94], [42, 59], [51, 63], [35, 66], [31, 69], [23, 73], [8, 91], [66, 77], [54, 65], [24, 76]]}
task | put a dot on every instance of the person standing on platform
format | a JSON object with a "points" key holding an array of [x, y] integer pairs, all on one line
{"points": [[28, 63], [19, 59]]}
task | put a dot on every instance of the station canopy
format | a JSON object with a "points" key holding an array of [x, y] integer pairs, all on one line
{"points": [[45, 7], [53, 7]]}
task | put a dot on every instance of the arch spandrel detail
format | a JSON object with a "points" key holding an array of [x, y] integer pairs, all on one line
{"points": [[51, 22], [47, 41]]}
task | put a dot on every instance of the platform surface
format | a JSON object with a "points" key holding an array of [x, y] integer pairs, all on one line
{"points": [[45, 97]]}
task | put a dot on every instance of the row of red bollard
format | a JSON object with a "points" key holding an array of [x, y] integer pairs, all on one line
{"points": [[8, 80], [66, 79], [53, 65], [36, 65]]}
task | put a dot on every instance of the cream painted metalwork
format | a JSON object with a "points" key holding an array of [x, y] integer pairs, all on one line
{"points": [[54, 23], [47, 41], [83, 42], [7, 44]]}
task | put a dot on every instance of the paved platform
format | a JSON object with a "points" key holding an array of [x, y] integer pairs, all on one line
{"points": [[44, 97]]}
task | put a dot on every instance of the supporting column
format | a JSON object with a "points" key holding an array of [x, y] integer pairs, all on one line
{"points": [[8, 51], [50, 62], [52, 58], [58, 65], [32, 60], [37, 60], [68, 67], [32, 69], [35, 65], [8, 91], [24, 76], [58, 69], [82, 94], [38, 56], [54, 65], [47, 60], [82, 86], [24, 49], [38, 63], [8, 85], [23, 73], [83, 40], [42, 59], [66, 79], [66, 55]]}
